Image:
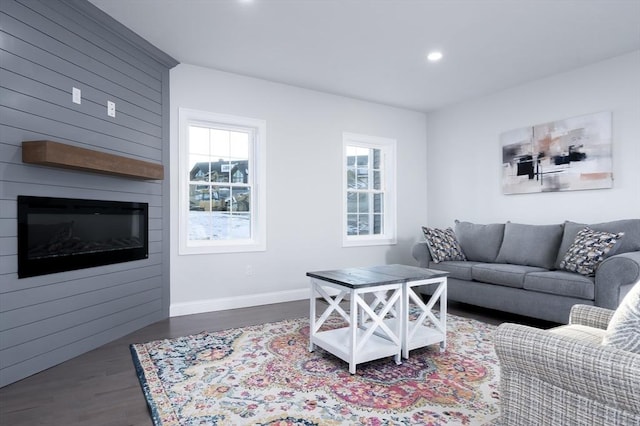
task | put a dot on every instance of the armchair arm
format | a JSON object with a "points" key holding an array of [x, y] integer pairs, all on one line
{"points": [[615, 274], [550, 379], [421, 253], [591, 316]]}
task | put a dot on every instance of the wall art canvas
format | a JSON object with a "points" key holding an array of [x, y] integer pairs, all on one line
{"points": [[564, 155]]}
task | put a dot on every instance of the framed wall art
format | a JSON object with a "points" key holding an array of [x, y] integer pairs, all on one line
{"points": [[564, 155]]}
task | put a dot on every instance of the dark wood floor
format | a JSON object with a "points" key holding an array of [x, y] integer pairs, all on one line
{"points": [[101, 387]]}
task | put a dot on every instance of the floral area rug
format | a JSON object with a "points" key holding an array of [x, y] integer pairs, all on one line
{"points": [[265, 375]]}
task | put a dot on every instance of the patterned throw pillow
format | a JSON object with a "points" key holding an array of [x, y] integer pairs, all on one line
{"points": [[623, 331], [588, 250], [443, 244]]}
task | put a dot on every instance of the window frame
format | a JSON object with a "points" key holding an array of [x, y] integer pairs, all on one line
{"points": [[387, 147], [257, 173]]}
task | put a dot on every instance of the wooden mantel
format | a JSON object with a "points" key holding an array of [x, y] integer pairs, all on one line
{"points": [[56, 154]]}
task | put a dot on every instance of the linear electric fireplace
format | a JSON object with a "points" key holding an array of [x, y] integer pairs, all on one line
{"points": [[63, 234]]}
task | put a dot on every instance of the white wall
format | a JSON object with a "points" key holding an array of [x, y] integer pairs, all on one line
{"points": [[464, 154], [304, 148]]}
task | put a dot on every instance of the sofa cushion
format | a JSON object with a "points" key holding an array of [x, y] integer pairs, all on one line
{"points": [[630, 242], [588, 250], [532, 245], [502, 274], [561, 283], [456, 268], [623, 331], [580, 332], [443, 244], [480, 242]]}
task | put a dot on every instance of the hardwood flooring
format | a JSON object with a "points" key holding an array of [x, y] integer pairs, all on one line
{"points": [[100, 388]]}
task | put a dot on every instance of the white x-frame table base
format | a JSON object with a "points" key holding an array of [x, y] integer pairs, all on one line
{"points": [[367, 336], [382, 327], [417, 334]]}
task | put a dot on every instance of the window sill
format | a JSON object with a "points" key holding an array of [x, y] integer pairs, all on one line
{"points": [[369, 242], [221, 249]]}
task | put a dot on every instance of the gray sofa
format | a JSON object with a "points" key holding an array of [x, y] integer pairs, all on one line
{"points": [[517, 268]]}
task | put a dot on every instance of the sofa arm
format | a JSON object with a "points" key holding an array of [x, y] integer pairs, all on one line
{"points": [[420, 252], [591, 316], [548, 376], [614, 277]]}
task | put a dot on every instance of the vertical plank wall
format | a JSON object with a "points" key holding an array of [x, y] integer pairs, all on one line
{"points": [[46, 48]]}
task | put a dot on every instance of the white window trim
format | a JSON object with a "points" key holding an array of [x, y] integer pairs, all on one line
{"points": [[388, 147], [187, 117]]}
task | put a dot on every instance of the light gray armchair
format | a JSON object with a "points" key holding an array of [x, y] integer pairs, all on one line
{"points": [[564, 376]]}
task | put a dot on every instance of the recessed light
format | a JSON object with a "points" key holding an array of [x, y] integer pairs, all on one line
{"points": [[434, 56]]}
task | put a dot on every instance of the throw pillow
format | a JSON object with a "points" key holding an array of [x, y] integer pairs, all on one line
{"points": [[630, 242], [571, 229], [588, 249], [623, 331], [443, 244]]}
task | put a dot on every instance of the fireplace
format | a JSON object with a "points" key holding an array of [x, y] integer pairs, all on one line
{"points": [[64, 234]]}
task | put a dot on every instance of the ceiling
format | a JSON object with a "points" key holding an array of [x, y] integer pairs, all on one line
{"points": [[375, 50]]}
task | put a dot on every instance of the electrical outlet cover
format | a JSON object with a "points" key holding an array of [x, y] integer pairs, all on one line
{"points": [[111, 109]]}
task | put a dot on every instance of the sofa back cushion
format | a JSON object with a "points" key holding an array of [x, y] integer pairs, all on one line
{"points": [[532, 245], [480, 243], [630, 242]]}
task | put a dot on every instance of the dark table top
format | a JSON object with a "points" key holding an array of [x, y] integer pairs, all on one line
{"points": [[376, 275]]}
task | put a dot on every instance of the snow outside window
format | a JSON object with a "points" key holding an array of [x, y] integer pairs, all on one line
{"points": [[222, 180]]}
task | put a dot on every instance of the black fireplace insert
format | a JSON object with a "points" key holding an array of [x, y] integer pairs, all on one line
{"points": [[63, 234]]}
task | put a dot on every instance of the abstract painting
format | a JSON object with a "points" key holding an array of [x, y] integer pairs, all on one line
{"points": [[564, 155]]}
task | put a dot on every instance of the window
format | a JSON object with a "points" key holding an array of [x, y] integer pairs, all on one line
{"points": [[368, 190], [222, 183]]}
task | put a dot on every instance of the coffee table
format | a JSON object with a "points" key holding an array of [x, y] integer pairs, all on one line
{"points": [[381, 327]]}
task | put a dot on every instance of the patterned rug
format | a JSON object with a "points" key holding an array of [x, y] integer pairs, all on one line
{"points": [[265, 375]]}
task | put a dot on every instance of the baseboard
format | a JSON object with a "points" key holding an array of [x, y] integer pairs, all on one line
{"points": [[224, 303]]}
